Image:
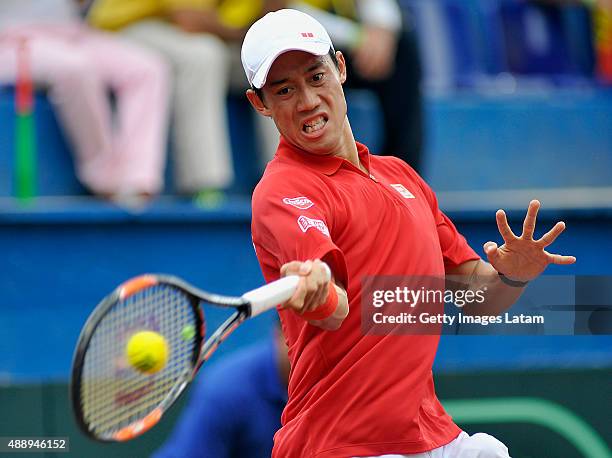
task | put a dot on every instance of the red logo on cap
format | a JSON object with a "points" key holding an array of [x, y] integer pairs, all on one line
{"points": [[307, 34]]}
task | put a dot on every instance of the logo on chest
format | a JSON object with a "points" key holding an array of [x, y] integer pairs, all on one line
{"points": [[402, 190], [306, 223], [302, 203]]}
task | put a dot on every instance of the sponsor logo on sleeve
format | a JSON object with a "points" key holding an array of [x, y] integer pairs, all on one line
{"points": [[302, 203], [402, 190], [306, 223]]}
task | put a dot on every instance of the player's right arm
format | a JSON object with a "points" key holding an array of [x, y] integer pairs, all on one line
{"points": [[313, 293]]}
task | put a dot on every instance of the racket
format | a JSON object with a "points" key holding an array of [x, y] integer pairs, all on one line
{"points": [[111, 400]]}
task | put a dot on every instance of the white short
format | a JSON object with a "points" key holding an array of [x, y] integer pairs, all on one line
{"points": [[479, 445]]}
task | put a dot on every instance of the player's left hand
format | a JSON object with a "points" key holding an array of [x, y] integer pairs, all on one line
{"points": [[523, 258]]}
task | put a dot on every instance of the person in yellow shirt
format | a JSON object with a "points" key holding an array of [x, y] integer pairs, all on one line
{"points": [[200, 39]]}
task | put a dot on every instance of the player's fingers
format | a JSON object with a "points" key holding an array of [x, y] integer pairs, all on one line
{"points": [[552, 235], [504, 228], [530, 220], [323, 283], [306, 268], [321, 295], [311, 291], [322, 269], [296, 302], [312, 302], [290, 268], [560, 259], [490, 249], [316, 295]]}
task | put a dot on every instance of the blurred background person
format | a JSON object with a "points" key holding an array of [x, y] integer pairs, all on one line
{"points": [[121, 156], [198, 39], [382, 55], [235, 406]]}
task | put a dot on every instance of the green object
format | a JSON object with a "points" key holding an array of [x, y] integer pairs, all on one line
{"points": [[25, 157], [209, 198], [188, 332]]}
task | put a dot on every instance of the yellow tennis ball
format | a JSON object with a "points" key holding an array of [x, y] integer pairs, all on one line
{"points": [[147, 352]]}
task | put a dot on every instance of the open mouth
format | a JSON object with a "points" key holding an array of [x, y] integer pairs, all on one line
{"points": [[314, 124]]}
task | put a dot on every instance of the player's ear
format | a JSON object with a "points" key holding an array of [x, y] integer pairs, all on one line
{"points": [[257, 103], [341, 66]]}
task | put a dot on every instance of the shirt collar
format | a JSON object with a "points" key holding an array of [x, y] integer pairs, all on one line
{"points": [[327, 165]]}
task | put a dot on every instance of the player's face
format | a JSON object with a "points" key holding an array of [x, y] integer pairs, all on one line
{"points": [[303, 94]]}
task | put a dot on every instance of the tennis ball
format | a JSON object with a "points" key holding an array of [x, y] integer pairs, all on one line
{"points": [[147, 352], [188, 332]]}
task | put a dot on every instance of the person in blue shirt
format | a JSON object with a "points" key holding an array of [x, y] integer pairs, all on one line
{"points": [[235, 406]]}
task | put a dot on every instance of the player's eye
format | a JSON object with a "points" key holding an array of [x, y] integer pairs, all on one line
{"points": [[283, 91], [318, 77]]}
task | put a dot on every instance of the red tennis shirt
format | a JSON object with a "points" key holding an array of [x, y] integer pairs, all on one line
{"points": [[352, 394]]}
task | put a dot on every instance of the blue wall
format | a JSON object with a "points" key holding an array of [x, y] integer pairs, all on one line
{"points": [[544, 140], [59, 262]]}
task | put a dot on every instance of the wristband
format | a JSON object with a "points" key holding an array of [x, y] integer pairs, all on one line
{"points": [[514, 283], [326, 309]]}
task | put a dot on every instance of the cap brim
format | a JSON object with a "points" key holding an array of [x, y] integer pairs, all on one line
{"points": [[317, 49]]}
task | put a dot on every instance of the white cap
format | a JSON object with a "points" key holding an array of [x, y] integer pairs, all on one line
{"points": [[276, 33]]}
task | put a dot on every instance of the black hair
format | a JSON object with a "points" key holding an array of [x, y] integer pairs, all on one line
{"points": [[332, 56]]}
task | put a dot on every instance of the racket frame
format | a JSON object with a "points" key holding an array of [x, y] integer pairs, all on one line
{"points": [[252, 303], [203, 350]]}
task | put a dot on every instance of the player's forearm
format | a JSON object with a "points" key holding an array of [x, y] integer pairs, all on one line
{"points": [[498, 295], [335, 320], [484, 281]]}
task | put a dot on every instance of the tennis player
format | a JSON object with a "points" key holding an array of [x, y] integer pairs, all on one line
{"points": [[325, 198]]}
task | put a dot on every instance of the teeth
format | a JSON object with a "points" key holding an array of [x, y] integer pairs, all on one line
{"points": [[314, 125]]}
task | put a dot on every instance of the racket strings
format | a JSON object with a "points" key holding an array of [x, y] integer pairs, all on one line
{"points": [[114, 394]]}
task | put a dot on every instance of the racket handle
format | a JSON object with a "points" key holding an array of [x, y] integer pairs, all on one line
{"points": [[272, 294], [269, 296]]}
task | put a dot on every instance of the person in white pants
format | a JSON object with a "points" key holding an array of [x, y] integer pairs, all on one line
{"points": [[200, 133], [116, 156]]}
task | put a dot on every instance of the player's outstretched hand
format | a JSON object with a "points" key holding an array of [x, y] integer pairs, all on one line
{"points": [[523, 258], [313, 287]]}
